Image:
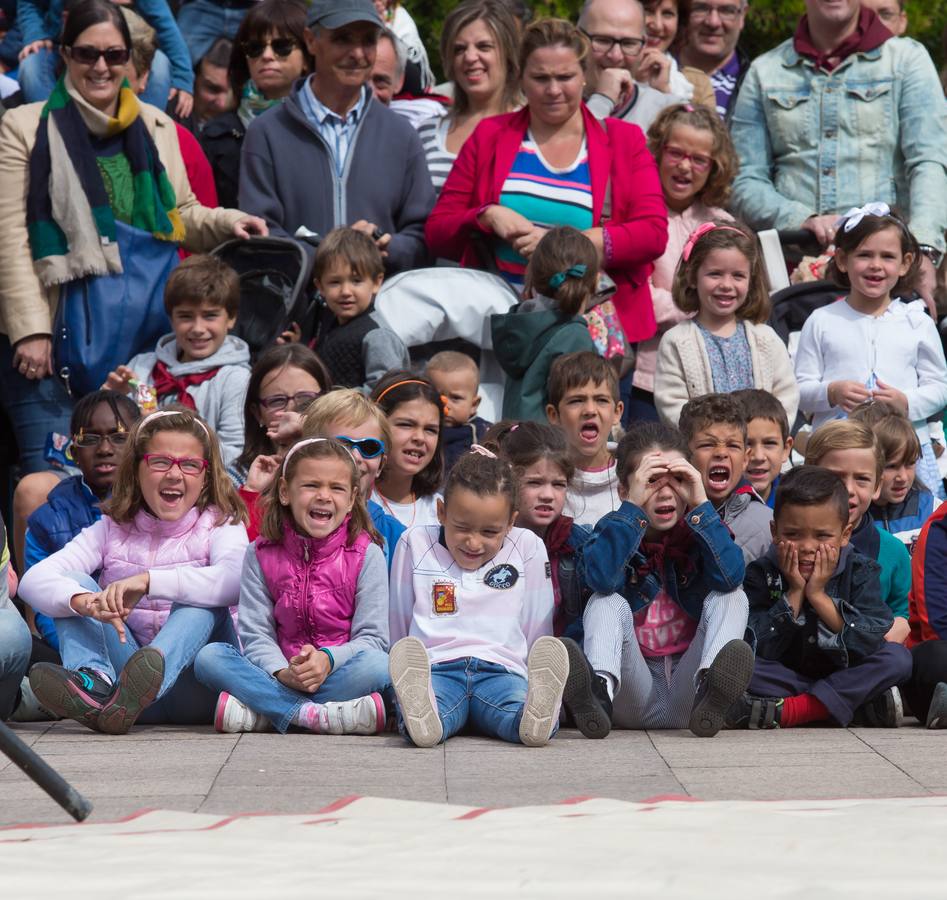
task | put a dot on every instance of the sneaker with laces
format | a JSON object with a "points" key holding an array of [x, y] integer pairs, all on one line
{"points": [[937, 711], [77, 694], [29, 709], [884, 711], [233, 717], [137, 688], [410, 670], [723, 682], [755, 712], [364, 715], [586, 695], [547, 669]]}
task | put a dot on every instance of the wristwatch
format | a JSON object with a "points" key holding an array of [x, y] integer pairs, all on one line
{"points": [[932, 253]]}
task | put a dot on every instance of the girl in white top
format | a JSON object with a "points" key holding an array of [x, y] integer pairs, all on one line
{"points": [[407, 486], [471, 606], [872, 345]]}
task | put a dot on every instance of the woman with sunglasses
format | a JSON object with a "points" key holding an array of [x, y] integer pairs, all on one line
{"points": [[84, 179], [269, 55]]}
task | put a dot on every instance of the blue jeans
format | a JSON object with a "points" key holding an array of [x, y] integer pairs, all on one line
{"points": [[203, 21], [15, 648], [482, 694], [35, 408], [37, 75], [159, 82], [222, 668], [182, 700]]}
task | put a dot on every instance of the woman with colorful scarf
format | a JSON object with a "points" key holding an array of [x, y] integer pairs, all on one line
{"points": [[83, 177], [269, 55]]}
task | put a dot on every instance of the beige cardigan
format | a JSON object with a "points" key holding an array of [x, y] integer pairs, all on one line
{"points": [[25, 307], [683, 369]]}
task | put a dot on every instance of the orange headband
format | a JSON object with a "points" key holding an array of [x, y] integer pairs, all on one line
{"points": [[391, 387]]}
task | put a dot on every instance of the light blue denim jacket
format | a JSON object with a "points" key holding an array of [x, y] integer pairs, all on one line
{"points": [[813, 142]]}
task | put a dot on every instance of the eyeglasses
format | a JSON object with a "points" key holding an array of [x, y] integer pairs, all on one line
{"points": [[300, 400], [282, 47], [728, 13], [88, 55], [92, 439], [188, 465], [368, 448], [699, 162], [602, 43]]}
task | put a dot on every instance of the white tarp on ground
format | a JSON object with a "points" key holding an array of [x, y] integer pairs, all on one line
{"points": [[372, 848]]}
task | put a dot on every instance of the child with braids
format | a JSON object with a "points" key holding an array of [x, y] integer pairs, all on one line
{"points": [[471, 609]]}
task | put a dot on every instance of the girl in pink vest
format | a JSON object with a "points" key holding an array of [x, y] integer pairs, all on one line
{"points": [[138, 593], [313, 613]]}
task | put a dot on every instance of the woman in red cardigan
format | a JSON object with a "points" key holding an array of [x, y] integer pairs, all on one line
{"points": [[551, 163]]}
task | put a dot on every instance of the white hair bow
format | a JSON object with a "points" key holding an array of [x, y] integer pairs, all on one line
{"points": [[851, 219]]}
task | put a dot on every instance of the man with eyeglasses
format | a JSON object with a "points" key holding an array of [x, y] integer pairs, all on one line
{"points": [[840, 114], [710, 44], [331, 155], [615, 29]]}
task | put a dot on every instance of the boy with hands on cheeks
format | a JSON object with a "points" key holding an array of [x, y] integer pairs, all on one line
{"points": [[818, 619]]}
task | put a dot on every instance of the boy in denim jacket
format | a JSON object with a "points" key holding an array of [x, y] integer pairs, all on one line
{"points": [[818, 618], [663, 632]]}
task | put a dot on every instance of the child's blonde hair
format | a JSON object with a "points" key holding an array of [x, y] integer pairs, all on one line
{"points": [[344, 405], [845, 434], [276, 516], [722, 235], [563, 267], [450, 361], [218, 491]]}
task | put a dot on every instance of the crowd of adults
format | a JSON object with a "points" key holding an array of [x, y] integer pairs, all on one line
{"points": [[324, 115]]}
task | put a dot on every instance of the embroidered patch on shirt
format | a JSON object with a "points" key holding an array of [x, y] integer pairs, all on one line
{"points": [[501, 577], [444, 596]]}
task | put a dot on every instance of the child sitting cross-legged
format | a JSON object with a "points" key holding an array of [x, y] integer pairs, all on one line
{"points": [[471, 610], [457, 377], [664, 630], [313, 608], [715, 429], [818, 617], [200, 365], [352, 342]]}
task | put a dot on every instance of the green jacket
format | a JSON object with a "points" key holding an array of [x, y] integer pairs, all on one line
{"points": [[526, 340]]}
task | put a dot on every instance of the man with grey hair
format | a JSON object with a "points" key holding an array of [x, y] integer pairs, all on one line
{"points": [[331, 155], [391, 60], [615, 29]]}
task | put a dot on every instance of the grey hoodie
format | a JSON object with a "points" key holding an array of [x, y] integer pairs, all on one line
{"points": [[748, 517], [219, 400]]}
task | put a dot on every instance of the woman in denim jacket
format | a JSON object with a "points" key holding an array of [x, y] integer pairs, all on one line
{"points": [[818, 133], [663, 632]]}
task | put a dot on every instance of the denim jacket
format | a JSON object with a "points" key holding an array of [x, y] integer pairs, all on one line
{"points": [[812, 142], [608, 561], [41, 20]]}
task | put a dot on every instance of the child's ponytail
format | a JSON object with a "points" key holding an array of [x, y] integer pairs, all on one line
{"points": [[564, 267]]}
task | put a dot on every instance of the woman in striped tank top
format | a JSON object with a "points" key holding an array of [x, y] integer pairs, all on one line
{"points": [[551, 164]]}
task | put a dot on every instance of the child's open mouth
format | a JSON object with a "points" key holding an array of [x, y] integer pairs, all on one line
{"points": [[718, 477], [320, 516], [589, 432], [171, 497], [544, 509], [665, 513], [414, 456], [757, 474]]}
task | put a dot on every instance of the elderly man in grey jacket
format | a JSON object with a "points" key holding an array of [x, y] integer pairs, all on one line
{"points": [[332, 155]]}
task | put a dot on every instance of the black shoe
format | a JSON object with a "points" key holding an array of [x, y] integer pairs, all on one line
{"points": [[138, 686], [937, 711], [79, 694], [586, 695], [721, 684], [883, 711], [755, 712]]}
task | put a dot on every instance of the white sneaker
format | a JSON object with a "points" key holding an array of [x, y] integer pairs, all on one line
{"points": [[410, 670], [233, 717], [366, 715], [29, 709], [546, 670]]}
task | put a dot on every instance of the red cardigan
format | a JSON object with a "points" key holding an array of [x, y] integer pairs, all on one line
{"points": [[637, 229]]}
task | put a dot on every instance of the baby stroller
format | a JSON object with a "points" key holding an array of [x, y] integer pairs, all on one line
{"points": [[274, 288], [430, 306]]}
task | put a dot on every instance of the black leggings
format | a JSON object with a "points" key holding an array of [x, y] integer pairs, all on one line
{"points": [[930, 667]]}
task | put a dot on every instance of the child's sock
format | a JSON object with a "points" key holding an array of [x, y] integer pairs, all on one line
{"points": [[312, 717], [611, 685], [802, 709]]}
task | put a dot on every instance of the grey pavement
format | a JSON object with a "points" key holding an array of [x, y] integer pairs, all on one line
{"points": [[197, 770]]}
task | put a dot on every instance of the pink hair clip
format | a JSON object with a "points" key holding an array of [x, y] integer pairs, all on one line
{"points": [[700, 231]]}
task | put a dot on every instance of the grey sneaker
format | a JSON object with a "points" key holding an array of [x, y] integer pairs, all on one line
{"points": [[547, 669], [29, 709], [410, 669], [937, 711]]}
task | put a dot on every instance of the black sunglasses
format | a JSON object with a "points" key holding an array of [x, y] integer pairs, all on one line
{"points": [[89, 55], [282, 47]]}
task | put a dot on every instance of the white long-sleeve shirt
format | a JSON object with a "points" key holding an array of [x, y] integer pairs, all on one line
{"points": [[494, 614], [901, 347]]}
